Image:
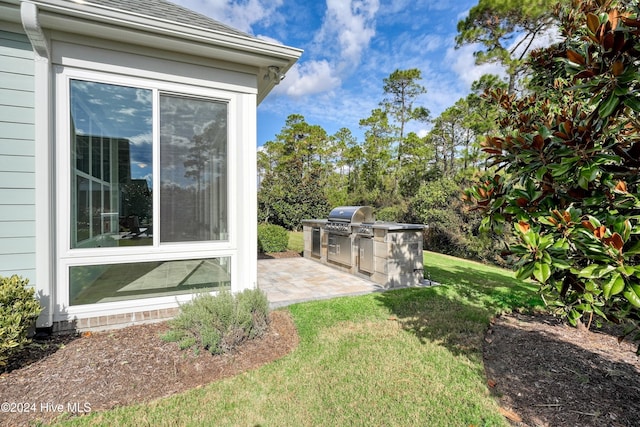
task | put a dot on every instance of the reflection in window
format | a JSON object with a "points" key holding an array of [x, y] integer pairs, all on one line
{"points": [[112, 192], [111, 150], [193, 175], [90, 284]]}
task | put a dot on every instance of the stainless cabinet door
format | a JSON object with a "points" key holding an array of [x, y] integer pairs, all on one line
{"points": [[365, 257]]}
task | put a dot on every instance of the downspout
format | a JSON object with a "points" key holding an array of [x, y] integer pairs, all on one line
{"points": [[44, 179]]}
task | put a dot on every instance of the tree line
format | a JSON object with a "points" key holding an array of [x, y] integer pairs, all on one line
{"points": [[540, 170], [304, 171]]}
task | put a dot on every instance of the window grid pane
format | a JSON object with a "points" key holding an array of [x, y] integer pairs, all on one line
{"points": [[111, 149], [91, 284], [193, 172]]}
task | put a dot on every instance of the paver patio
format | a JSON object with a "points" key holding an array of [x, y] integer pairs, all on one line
{"points": [[291, 280]]}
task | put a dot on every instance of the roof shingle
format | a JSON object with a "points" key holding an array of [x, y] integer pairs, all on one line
{"points": [[167, 11]]}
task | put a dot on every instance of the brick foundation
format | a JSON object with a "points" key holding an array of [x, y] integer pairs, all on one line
{"points": [[114, 321]]}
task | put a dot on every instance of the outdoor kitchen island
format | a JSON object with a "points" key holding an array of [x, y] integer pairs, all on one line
{"points": [[351, 240]]}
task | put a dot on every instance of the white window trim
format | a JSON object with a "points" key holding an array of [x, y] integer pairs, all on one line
{"points": [[67, 257]]}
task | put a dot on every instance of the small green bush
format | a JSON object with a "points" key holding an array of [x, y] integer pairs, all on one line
{"points": [[272, 238], [18, 310], [219, 323], [391, 214]]}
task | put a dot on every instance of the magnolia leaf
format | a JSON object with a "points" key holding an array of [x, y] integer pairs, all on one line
{"points": [[630, 21], [627, 270], [589, 271], [525, 271], [623, 227], [633, 103], [593, 22], [595, 271], [548, 221], [575, 57], [590, 172], [583, 182], [617, 68], [523, 227], [545, 241], [634, 250], [632, 294], [613, 286], [599, 312], [618, 286], [541, 272], [573, 317], [621, 187], [615, 241], [594, 221], [608, 106], [608, 41], [614, 16], [560, 264]]}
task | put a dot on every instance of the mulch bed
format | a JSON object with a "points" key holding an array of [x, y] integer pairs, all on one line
{"points": [[99, 371], [277, 255], [545, 373]]}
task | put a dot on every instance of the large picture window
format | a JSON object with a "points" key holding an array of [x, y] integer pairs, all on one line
{"points": [[117, 200]]}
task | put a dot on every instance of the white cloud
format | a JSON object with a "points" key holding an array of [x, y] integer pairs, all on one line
{"points": [[545, 39], [430, 42], [463, 63], [240, 15], [462, 60], [352, 25], [142, 139], [346, 32], [308, 78], [128, 111], [269, 39], [392, 7], [463, 15]]}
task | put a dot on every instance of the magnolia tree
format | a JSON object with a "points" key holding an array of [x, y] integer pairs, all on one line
{"points": [[568, 166]]}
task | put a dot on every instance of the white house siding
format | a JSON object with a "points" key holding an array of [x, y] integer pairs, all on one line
{"points": [[17, 157]]}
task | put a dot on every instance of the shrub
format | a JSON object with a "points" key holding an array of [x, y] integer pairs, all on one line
{"points": [[219, 323], [453, 228], [392, 214], [18, 310], [272, 238]]}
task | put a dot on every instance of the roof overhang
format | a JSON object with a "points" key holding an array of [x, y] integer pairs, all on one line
{"points": [[271, 61]]}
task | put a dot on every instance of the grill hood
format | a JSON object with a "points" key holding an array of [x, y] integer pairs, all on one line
{"points": [[352, 214]]}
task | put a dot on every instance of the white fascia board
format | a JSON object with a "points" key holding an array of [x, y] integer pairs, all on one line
{"points": [[10, 11], [111, 24], [55, 14]]}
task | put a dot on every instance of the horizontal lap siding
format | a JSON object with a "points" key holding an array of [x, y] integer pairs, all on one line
{"points": [[17, 161]]}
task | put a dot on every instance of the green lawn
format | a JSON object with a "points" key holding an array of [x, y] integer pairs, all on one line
{"points": [[400, 358], [296, 241]]}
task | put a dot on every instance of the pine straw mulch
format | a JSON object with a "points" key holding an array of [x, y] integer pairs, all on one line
{"points": [[543, 373]]}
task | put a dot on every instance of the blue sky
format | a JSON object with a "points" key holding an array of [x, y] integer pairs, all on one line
{"points": [[350, 46]]}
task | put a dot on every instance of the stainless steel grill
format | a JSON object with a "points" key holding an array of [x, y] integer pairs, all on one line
{"points": [[351, 215], [342, 218], [350, 239], [338, 227], [341, 225]]}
